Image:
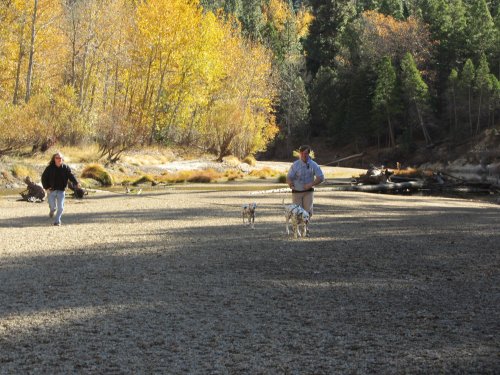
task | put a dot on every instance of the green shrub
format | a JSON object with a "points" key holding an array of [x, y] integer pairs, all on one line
{"points": [[282, 178], [98, 173]]}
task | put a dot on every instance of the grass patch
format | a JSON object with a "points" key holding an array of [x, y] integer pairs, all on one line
{"points": [[22, 171], [264, 173], [144, 179], [98, 173], [250, 160], [205, 176], [86, 154], [233, 175], [232, 161]]}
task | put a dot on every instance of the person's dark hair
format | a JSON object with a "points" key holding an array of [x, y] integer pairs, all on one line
{"points": [[305, 148]]}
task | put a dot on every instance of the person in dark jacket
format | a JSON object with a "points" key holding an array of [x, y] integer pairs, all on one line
{"points": [[55, 180]]}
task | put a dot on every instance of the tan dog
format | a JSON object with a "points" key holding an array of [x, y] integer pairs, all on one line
{"points": [[248, 213]]}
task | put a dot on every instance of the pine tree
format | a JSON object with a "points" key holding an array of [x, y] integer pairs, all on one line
{"points": [[251, 18], [384, 97], [392, 8], [452, 99], [415, 90], [494, 98], [466, 83], [483, 86], [324, 42], [480, 30], [457, 40]]}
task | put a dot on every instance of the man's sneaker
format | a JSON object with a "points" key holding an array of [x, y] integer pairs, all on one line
{"points": [[51, 213], [57, 224]]}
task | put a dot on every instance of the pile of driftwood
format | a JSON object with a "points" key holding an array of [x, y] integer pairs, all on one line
{"points": [[380, 179], [36, 193]]}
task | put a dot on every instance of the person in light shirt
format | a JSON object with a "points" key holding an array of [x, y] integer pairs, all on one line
{"points": [[303, 175]]}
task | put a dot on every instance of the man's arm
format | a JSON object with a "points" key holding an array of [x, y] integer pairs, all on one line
{"points": [[289, 177]]}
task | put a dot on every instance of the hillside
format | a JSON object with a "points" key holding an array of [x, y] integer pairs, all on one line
{"points": [[472, 158]]}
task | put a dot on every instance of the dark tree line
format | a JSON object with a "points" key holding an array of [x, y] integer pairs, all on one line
{"points": [[391, 73]]}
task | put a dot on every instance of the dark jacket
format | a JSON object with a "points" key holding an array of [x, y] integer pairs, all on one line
{"points": [[56, 178]]}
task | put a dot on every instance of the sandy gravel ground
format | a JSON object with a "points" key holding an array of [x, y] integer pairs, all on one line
{"points": [[172, 282]]}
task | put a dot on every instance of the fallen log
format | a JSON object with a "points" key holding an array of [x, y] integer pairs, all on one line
{"points": [[34, 192], [355, 156], [382, 188]]}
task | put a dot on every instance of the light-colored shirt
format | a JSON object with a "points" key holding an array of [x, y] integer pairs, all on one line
{"points": [[301, 173]]}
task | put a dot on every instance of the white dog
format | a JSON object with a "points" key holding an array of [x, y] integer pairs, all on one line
{"points": [[299, 218], [248, 213]]}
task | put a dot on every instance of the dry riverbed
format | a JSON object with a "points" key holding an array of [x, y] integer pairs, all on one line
{"points": [[171, 281]]}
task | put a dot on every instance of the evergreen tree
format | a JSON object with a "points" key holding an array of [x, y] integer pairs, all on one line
{"points": [[212, 4], [483, 86], [480, 30], [251, 18], [357, 123], [452, 100], [495, 60], [324, 42], [384, 99], [293, 110], [392, 8], [494, 99], [466, 83], [416, 91], [326, 101], [457, 39], [233, 7]]}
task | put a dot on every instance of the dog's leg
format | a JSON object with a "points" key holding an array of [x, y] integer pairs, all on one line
{"points": [[295, 228], [287, 219]]}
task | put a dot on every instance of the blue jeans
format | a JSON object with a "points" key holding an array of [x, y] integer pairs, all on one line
{"points": [[56, 203]]}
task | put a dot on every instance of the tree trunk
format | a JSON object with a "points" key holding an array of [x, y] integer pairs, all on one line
{"points": [[157, 101], [455, 110], [421, 121], [392, 140], [470, 112], [146, 88], [478, 123], [15, 98], [72, 79], [82, 81], [29, 75]]}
